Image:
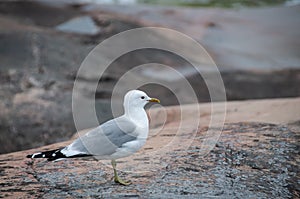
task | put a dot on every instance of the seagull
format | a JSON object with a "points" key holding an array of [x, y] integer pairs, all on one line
{"points": [[114, 139]]}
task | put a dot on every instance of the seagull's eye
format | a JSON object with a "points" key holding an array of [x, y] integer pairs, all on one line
{"points": [[143, 97]]}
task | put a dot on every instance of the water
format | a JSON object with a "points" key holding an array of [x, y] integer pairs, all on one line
{"points": [[79, 25]]}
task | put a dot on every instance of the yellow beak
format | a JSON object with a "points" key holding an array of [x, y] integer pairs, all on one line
{"points": [[154, 100]]}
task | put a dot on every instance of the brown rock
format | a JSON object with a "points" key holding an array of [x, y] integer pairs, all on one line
{"points": [[250, 160], [39, 64]]}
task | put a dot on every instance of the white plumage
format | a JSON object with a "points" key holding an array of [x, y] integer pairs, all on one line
{"points": [[117, 138]]}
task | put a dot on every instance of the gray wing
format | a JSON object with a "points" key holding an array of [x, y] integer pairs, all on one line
{"points": [[105, 139]]}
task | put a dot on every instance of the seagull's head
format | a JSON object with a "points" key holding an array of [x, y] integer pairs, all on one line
{"points": [[137, 98]]}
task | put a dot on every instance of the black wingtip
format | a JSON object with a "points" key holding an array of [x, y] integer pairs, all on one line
{"points": [[54, 155]]}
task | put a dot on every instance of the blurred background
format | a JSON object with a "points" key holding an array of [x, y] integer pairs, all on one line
{"points": [[255, 45]]}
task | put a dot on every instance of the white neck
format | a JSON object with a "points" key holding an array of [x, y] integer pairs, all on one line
{"points": [[138, 115]]}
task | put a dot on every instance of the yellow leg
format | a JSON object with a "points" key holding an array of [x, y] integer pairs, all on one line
{"points": [[116, 177]]}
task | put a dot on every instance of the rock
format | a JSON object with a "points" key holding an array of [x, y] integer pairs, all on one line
{"points": [[236, 39], [257, 155], [250, 160], [274, 111], [39, 65], [33, 13], [256, 158]]}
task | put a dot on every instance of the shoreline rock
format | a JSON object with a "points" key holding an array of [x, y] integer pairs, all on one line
{"points": [[250, 160], [35, 58]]}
